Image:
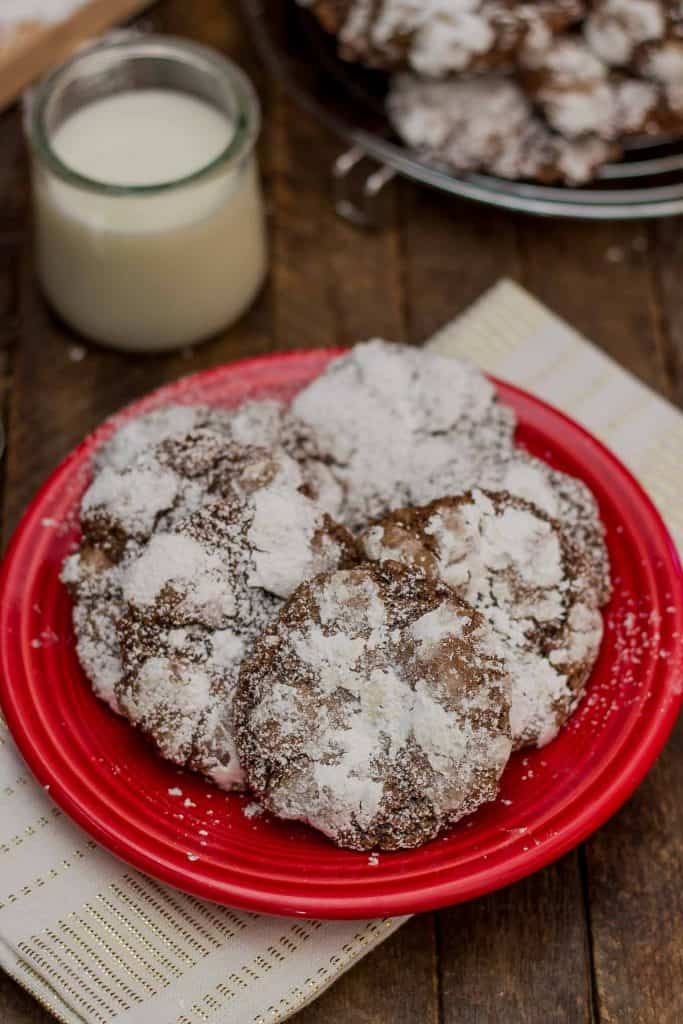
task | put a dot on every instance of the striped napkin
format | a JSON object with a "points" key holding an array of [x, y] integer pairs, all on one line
{"points": [[97, 942]]}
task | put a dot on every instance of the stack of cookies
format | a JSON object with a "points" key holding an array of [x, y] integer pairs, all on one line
{"points": [[549, 90], [356, 606]]}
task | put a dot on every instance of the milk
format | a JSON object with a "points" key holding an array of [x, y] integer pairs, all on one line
{"points": [[167, 263]]}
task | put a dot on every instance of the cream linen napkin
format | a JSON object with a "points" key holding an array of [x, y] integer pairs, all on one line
{"points": [[97, 942]]}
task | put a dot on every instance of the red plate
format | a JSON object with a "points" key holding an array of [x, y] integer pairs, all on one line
{"points": [[105, 777]]}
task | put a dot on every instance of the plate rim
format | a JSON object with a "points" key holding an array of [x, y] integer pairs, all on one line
{"points": [[593, 813]]}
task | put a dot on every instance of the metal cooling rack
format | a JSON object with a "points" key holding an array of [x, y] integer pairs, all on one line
{"points": [[647, 182]]}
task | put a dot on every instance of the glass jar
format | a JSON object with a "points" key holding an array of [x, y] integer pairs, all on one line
{"points": [[149, 219]]}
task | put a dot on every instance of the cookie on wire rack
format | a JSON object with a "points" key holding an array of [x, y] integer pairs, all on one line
{"points": [[580, 95], [436, 38], [487, 123]]}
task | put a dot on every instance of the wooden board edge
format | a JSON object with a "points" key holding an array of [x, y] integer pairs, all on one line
{"points": [[49, 45]]}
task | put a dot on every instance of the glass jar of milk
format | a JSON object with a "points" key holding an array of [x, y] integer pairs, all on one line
{"points": [[148, 212]]}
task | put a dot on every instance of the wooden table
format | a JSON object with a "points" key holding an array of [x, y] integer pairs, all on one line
{"points": [[599, 935]]}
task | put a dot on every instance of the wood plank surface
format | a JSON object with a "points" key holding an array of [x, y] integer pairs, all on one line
{"points": [[599, 935]]}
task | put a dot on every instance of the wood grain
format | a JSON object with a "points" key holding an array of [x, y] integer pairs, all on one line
{"points": [[519, 955], [598, 936], [396, 984], [452, 252], [599, 278], [330, 284], [634, 870], [667, 263]]}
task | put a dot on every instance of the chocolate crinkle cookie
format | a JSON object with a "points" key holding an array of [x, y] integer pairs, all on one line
{"points": [[509, 560], [197, 596], [400, 426], [488, 123], [172, 477], [645, 37], [439, 37], [374, 708], [127, 501], [580, 95]]}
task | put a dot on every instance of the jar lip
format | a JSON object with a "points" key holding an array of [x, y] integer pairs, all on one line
{"points": [[242, 141]]}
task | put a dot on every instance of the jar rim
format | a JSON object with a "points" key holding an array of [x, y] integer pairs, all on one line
{"points": [[242, 141]]}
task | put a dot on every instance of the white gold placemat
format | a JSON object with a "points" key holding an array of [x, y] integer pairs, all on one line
{"points": [[97, 942]]}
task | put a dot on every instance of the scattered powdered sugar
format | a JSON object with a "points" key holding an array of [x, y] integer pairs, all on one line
{"points": [[47, 638], [252, 810], [175, 791], [361, 714], [395, 420], [508, 560]]}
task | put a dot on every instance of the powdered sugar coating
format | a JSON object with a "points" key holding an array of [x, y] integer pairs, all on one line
{"points": [[266, 423], [395, 421], [139, 433], [488, 123], [614, 29], [373, 709], [565, 499], [189, 616], [200, 592], [165, 479], [663, 63], [272, 424], [94, 582], [579, 95], [439, 37], [130, 518], [509, 560]]}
